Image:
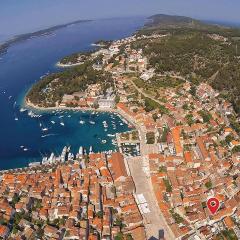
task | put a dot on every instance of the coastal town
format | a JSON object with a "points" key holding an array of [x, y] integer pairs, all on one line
{"points": [[184, 149]]}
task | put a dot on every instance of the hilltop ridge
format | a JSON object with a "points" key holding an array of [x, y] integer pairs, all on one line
{"points": [[161, 20], [164, 21]]}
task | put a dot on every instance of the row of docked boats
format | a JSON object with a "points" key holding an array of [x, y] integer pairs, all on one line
{"points": [[67, 155]]}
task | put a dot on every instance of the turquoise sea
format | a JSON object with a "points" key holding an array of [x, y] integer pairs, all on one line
{"points": [[27, 136]]}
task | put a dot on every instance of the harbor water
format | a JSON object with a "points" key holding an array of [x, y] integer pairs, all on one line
{"points": [[27, 136]]}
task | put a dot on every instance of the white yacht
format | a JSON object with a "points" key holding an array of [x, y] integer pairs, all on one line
{"points": [[63, 155], [30, 113], [105, 125], [111, 135], [23, 110], [44, 160], [80, 150], [91, 149], [70, 156]]}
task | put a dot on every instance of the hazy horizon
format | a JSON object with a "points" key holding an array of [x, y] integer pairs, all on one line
{"points": [[6, 37], [18, 17]]}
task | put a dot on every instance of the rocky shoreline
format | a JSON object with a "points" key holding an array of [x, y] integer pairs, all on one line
{"points": [[61, 65]]}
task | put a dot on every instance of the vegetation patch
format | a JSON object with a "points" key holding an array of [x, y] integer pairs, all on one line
{"points": [[50, 89]]}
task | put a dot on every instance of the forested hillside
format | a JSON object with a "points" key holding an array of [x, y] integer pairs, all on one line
{"points": [[207, 53], [50, 89]]}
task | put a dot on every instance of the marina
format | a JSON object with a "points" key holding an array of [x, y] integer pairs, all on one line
{"points": [[45, 132], [67, 155]]}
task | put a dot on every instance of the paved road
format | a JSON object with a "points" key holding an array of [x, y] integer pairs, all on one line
{"points": [[153, 221], [144, 93]]}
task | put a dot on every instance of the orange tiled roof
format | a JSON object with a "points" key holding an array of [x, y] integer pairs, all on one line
{"points": [[3, 230], [118, 166], [229, 222], [188, 157], [124, 108], [202, 147], [176, 139]]}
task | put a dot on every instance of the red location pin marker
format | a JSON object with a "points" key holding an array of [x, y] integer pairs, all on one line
{"points": [[213, 205]]}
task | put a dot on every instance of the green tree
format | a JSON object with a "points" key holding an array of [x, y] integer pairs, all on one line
{"points": [[119, 236], [209, 184], [205, 115], [167, 185], [193, 90], [99, 214], [150, 138]]}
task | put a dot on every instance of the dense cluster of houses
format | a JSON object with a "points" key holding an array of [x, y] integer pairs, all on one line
{"points": [[218, 37], [193, 160], [91, 98], [90, 198], [194, 155], [191, 147]]}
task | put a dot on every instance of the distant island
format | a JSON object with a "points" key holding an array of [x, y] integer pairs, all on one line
{"points": [[22, 37]]}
